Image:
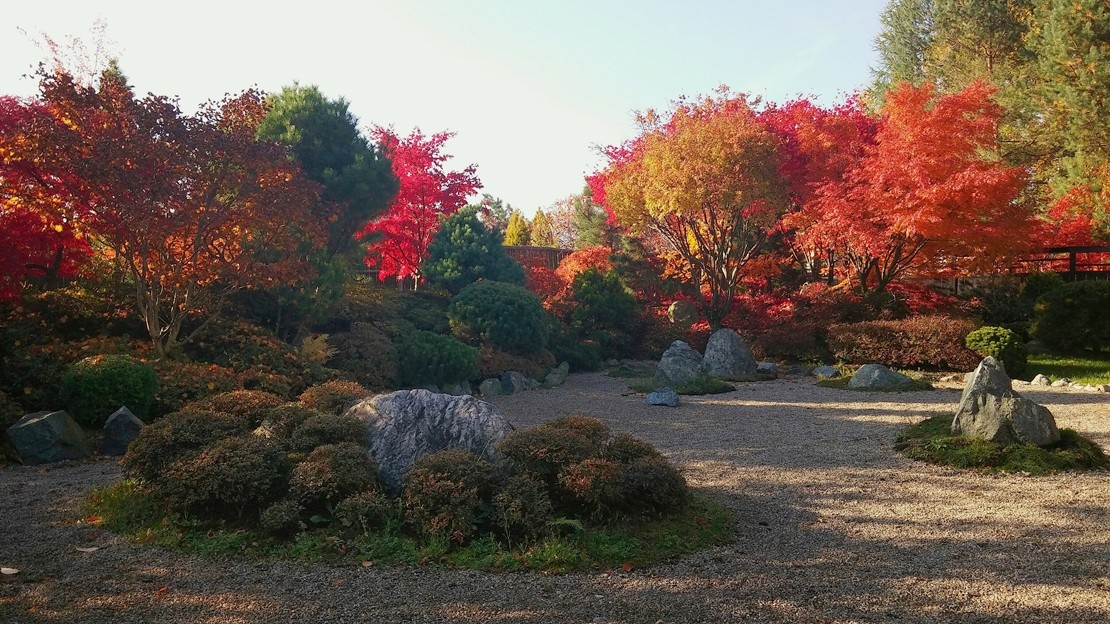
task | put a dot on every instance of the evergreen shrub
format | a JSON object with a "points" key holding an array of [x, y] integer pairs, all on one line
{"points": [[96, 386]]}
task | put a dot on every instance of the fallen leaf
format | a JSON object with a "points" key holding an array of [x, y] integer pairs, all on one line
{"points": [[161, 591], [367, 564], [89, 549], [8, 571], [627, 566]]}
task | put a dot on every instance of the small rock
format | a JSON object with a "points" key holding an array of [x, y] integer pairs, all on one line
{"points": [[121, 428], [680, 363], [513, 382], [665, 396], [825, 372], [557, 375], [1041, 380], [682, 313], [1061, 382], [490, 387], [767, 368], [877, 377], [461, 389]]}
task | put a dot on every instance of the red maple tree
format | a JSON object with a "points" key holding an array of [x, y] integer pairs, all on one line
{"points": [[426, 194], [930, 196]]}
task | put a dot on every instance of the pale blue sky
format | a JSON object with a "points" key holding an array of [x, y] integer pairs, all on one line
{"points": [[530, 86]]}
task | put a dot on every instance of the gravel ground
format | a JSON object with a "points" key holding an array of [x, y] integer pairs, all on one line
{"points": [[832, 526]]}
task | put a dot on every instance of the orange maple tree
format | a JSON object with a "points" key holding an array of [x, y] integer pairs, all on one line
{"points": [[707, 180], [192, 206]]}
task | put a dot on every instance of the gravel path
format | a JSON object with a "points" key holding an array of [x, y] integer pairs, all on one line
{"points": [[832, 526]]}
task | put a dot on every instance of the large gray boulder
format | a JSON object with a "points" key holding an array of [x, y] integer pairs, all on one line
{"points": [[403, 426], [877, 377], [47, 437], [727, 356], [121, 428], [680, 363], [990, 409]]}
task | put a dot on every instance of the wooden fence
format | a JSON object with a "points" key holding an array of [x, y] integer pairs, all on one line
{"points": [[545, 256]]}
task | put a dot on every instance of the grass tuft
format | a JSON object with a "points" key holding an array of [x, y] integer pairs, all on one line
{"points": [[1091, 368], [932, 441]]}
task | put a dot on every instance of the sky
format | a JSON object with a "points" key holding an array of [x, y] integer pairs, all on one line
{"points": [[530, 87]]}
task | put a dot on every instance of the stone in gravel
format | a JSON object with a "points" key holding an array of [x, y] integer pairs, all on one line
{"points": [[682, 313], [403, 426], [1041, 380], [557, 375], [991, 410], [767, 368], [727, 355], [1102, 388], [680, 363], [825, 372], [877, 377], [1061, 382], [665, 396], [513, 382], [47, 437], [121, 428], [490, 387]]}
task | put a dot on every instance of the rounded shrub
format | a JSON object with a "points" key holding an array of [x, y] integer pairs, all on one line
{"points": [[465, 251], [651, 485], [545, 451], [522, 506], [366, 511], [322, 429], [425, 358], [282, 519], [593, 429], [1000, 343], [96, 386], [508, 316], [283, 420], [177, 435], [226, 479], [366, 353], [254, 405], [627, 448], [1074, 317], [182, 383], [444, 492], [331, 473], [333, 397], [604, 310], [594, 486]]}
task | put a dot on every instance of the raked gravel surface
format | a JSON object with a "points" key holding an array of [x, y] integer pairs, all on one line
{"points": [[832, 525]]}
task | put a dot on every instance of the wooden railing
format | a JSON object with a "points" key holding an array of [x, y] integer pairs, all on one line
{"points": [[546, 256], [1071, 263]]}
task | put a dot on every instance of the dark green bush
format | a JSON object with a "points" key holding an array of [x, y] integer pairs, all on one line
{"points": [[282, 519], [254, 405], [424, 358], [522, 507], [935, 342], [1074, 317], [10, 412], [444, 492], [366, 511], [1002, 344], [508, 316], [227, 479], [333, 397], [367, 354], [580, 354], [465, 251], [604, 310], [324, 429], [175, 436], [96, 386], [651, 485], [332, 473], [1037, 284]]}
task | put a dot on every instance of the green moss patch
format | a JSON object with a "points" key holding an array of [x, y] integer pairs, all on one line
{"points": [[932, 441]]}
